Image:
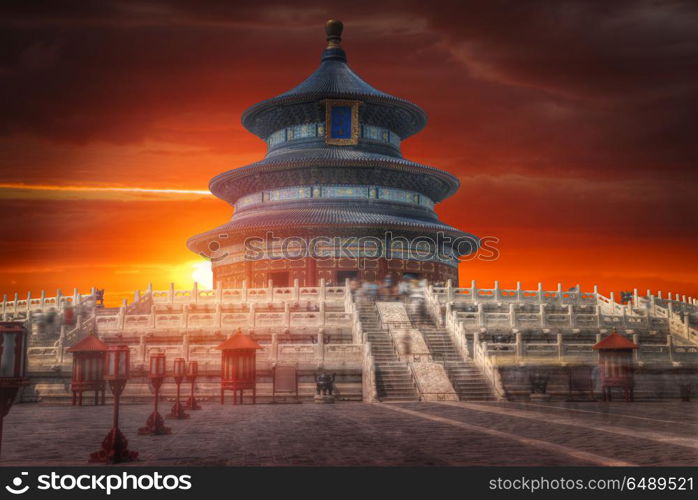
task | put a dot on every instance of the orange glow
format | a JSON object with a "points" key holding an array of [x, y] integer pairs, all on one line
{"points": [[98, 189]]}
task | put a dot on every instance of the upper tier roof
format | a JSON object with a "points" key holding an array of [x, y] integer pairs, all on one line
{"points": [[334, 79]]}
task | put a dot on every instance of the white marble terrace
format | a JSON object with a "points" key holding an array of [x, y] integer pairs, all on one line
{"points": [[319, 325]]}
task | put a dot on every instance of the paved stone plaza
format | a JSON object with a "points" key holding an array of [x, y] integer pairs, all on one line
{"points": [[355, 434]]}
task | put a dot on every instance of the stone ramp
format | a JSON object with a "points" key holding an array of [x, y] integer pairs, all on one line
{"points": [[467, 381]]}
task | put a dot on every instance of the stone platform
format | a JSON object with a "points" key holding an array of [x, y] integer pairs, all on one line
{"points": [[359, 434]]}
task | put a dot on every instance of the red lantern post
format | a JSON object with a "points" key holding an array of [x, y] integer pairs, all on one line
{"points": [[179, 373], [155, 425], [88, 368], [13, 365], [115, 446], [192, 373], [238, 366]]}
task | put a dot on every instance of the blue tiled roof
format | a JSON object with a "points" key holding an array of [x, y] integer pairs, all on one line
{"points": [[340, 157], [334, 79], [332, 217], [336, 155]]}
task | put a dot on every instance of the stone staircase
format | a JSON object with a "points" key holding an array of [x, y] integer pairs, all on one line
{"points": [[465, 377], [394, 381]]}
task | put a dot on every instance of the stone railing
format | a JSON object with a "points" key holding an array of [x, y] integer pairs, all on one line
{"points": [[560, 317], [609, 306], [416, 382], [59, 302], [456, 331], [473, 294], [563, 350], [357, 333], [368, 376], [575, 296], [679, 324], [186, 320], [245, 295], [141, 348], [487, 367], [434, 306]]}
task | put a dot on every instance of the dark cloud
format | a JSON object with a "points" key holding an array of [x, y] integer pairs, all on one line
{"points": [[613, 82]]}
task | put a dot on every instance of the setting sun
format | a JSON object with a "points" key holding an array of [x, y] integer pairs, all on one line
{"points": [[199, 271], [201, 274]]}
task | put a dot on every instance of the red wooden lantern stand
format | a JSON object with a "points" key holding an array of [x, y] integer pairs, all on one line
{"points": [[115, 445], [88, 369], [155, 425], [616, 365], [177, 410], [13, 366], [238, 370], [192, 373]]}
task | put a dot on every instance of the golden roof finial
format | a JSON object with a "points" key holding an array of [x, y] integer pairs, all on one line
{"points": [[333, 28]]}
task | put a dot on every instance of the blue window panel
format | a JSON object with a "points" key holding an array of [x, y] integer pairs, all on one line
{"points": [[248, 200], [394, 139], [341, 122], [344, 192], [426, 202], [305, 130], [293, 193], [277, 138], [393, 195]]}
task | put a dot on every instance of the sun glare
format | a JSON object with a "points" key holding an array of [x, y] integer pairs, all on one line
{"points": [[201, 273], [185, 274]]}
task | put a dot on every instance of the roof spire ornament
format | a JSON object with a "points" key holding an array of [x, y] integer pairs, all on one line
{"points": [[334, 28]]}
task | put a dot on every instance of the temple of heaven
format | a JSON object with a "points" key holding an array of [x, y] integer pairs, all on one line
{"points": [[333, 198]]}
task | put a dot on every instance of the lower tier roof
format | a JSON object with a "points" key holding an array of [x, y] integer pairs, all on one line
{"points": [[323, 219], [334, 165]]}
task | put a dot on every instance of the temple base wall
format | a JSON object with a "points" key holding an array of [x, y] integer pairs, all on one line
{"points": [[310, 271], [650, 384], [55, 388]]}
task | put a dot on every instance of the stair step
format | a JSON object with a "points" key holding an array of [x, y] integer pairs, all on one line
{"points": [[466, 379]]}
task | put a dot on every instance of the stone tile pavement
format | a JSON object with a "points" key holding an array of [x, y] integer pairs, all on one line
{"points": [[357, 434]]}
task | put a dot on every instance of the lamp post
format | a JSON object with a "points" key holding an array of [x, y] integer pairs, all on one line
{"points": [[155, 425], [179, 372], [192, 373], [115, 445], [13, 365]]}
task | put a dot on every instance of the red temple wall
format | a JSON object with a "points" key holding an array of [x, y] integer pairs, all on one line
{"points": [[309, 271]]}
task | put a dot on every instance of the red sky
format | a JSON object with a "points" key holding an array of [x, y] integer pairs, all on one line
{"points": [[571, 126]]}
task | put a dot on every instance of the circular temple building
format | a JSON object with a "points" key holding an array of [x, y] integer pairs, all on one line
{"points": [[333, 198]]}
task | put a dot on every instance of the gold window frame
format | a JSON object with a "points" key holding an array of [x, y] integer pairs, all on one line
{"points": [[329, 103]]}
